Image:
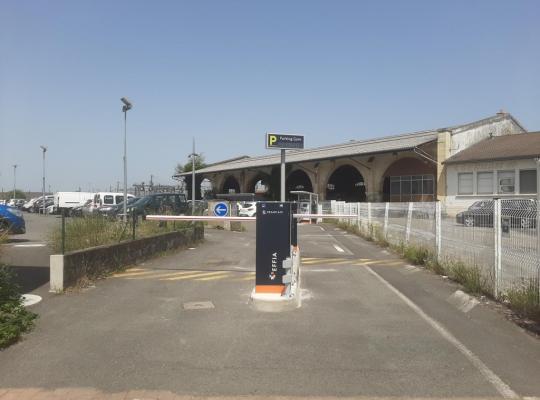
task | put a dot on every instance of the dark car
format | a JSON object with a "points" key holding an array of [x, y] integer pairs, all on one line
{"points": [[519, 213], [158, 203], [113, 210]]}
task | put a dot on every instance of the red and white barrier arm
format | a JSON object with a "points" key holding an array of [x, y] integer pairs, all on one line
{"points": [[212, 218], [196, 218]]}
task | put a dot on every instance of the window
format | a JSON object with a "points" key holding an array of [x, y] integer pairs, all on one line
{"points": [[403, 187], [506, 181], [484, 182], [119, 199], [108, 199], [465, 183], [527, 181]]}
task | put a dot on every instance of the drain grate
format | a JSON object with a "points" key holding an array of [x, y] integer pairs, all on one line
{"points": [[198, 305]]}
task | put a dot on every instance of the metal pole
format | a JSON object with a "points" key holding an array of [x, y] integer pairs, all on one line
{"points": [[63, 231], [125, 166], [193, 179], [14, 178], [538, 214], [43, 188], [282, 197]]}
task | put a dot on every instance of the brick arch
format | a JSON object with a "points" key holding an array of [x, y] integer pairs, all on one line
{"points": [[409, 166]]}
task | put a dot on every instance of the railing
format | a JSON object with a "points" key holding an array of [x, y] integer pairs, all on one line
{"points": [[499, 238]]}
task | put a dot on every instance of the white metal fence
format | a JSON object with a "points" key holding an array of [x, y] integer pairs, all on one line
{"points": [[499, 237]]}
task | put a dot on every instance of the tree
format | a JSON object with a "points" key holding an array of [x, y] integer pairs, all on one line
{"points": [[19, 194], [199, 163]]}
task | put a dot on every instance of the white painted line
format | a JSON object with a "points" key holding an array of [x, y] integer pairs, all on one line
{"points": [[492, 378], [30, 245], [322, 229], [338, 248]]}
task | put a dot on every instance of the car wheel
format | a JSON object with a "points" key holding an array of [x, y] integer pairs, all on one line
{"points": [[469, 221], [4, 227]]}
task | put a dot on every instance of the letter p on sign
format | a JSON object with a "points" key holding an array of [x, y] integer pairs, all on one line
{"points": [[272, 139]]}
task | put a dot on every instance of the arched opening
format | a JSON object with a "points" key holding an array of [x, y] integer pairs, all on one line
{"points": [[230, 185], [260, 185], [207, 189], [298, 180], [198, 187], [346, 184], [409, 179]]}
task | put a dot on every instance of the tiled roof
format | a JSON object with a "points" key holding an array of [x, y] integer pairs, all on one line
{"points": [[524, 145]]}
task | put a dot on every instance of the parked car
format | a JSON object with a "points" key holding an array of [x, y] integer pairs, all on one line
{"points": [[11, 220], [66, 201], [29, 204], [112, 210], [247, 209], [106, 199], [519, 213], [16, 203], [37, 205], [158, 203]]}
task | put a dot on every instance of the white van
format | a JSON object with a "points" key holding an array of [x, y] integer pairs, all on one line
{"points": [[106, 199], [69, 200]]}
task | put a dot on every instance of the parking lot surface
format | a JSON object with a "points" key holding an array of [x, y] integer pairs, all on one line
{"points": [[182, 325]]}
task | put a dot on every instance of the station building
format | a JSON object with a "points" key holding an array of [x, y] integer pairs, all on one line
{"points": [[419, 166]]}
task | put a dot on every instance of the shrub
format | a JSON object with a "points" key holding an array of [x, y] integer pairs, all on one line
{"points": [[14, 318], [525, 300]]}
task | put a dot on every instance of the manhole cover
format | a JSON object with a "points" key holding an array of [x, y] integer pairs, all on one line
{"points": [[198, 305], [30, 299]]}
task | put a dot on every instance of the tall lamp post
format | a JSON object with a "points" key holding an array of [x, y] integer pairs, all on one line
{"points": [[44, 149], [193, 155], [14, 178], [127, 106]]}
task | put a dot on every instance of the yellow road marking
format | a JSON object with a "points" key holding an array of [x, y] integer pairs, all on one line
{"points": [[163, 274], [211, 278], [126, 274], [197, 275]]}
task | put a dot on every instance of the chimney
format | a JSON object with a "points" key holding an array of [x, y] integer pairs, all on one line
{"points": [[501, 112]]}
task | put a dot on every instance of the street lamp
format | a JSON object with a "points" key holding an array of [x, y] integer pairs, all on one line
{"points": [[193, 155], [14, 178], [44, 149], [127, 106]]}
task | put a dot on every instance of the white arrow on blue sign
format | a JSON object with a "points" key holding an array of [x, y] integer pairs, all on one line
{"points": [[221, 210]]}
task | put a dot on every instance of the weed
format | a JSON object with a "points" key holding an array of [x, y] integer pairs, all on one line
{"points": [[525, 299]]}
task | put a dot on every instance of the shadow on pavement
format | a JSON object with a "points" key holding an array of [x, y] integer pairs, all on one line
{"points": [[30, 278]]}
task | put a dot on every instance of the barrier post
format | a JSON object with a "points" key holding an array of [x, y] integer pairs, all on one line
{"points": [[385, 228], [497, 236], [438, 230], [409, 222]]}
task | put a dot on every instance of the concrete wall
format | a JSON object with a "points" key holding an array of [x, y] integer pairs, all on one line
{"points": [[78, 267], [456, 202]]}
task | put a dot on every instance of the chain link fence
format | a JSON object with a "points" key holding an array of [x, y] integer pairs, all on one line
{"points": [[498, 238]]}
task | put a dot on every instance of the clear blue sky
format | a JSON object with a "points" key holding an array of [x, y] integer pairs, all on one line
{"points": [[228, 71]]}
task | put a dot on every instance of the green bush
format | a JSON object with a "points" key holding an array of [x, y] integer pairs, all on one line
{"points": [[525, 300], [14, 318], [86, 232]]}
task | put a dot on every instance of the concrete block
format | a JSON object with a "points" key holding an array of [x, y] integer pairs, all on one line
{"points": [[56, 278]]}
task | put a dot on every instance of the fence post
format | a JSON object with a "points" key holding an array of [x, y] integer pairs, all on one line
{"points": [[63, 231], [498, 252], [134, 223], [385, 229], [370, 230], [409, 221], [438, 230]]}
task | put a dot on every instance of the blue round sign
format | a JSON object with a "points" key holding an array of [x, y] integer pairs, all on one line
{"points": [[221, 210]]}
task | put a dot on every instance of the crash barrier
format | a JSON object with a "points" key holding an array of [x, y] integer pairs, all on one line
{"points": [[499, 239], [76, 268], [277, 255]]}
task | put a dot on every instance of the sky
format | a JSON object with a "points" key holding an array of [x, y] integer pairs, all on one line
{"points": [[227, 72]]}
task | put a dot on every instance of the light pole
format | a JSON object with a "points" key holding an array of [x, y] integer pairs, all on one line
{"points": [[44, 149], [193, 155], [14, 178], [127, 106]]}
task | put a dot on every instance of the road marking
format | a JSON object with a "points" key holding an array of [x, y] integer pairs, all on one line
{"points": [[338, 248], [211, 278], [321, 228], [491, 377], [195, 275], [30, 245], [462, 301], [158, 274]]}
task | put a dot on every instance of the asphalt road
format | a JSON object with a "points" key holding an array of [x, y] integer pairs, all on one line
{"points": [[28, 254], [370, 325]]}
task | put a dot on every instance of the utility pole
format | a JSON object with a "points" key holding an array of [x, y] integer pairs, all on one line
{"points": [[193, 155], [14, 178], [127, 106], [43, 187]]}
